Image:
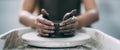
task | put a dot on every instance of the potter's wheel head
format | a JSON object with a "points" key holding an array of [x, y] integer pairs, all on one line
{"points": [[33, 39]]}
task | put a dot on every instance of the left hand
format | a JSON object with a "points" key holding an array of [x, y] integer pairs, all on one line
{"points": [[69, 25]]}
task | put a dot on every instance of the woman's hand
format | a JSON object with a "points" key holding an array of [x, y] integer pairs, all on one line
{"points": [[69, 25], [44, 26]]}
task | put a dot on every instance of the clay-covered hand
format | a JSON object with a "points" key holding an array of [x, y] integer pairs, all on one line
{"points": [[44, 26], [69, 25]]}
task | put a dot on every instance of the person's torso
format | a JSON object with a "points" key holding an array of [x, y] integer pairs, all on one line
{"points": [[58, 8]]}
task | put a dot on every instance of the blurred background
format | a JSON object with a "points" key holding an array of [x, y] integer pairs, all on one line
{"points": [[108, 11]]}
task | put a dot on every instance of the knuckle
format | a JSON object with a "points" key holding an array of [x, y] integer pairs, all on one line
{"points": [[40, 25], [49, 27], [44, 26], [42, 32], [44, 20], [45, 31], [37, 19]]}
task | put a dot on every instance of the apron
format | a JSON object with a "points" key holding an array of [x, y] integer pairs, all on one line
{"points": [[58, 8]]}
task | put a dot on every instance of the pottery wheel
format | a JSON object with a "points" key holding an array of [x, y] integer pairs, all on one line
{"points": [[31, 38]]}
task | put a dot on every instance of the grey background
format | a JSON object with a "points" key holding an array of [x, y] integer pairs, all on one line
{"points": [[109, 16]]}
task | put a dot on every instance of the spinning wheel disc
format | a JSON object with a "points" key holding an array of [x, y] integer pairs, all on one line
{"points": [[31, 38]]}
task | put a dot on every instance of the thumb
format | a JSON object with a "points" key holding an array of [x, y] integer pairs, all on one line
{"points": [[45, 14], [69, 14]]}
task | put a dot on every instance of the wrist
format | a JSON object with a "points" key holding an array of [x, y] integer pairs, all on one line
{"points": [[33, 22]]}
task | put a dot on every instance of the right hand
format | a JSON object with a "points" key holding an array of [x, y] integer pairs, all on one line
{"points": [[44, 26]]}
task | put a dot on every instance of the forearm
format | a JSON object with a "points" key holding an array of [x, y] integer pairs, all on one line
{"points": [[88, 18], [27, 19]]}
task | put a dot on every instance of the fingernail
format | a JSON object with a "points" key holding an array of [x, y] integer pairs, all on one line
{"points": [[61, 24], [52, 24], [51, 31]]}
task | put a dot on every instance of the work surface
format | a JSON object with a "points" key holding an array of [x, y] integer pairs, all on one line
{"points": [[100, 41], [14, 41]]}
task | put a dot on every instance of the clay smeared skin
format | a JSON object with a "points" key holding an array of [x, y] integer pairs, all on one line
{"points": [[56, 33]]}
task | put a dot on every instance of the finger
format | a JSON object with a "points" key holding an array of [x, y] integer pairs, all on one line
{"points": [[41, 34], [68, 21], [66, 16], [45, 21], [69, 14], [44, 12], [44, 31], [40, 25], [70, 26], [66, 31], [45, 26]]}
